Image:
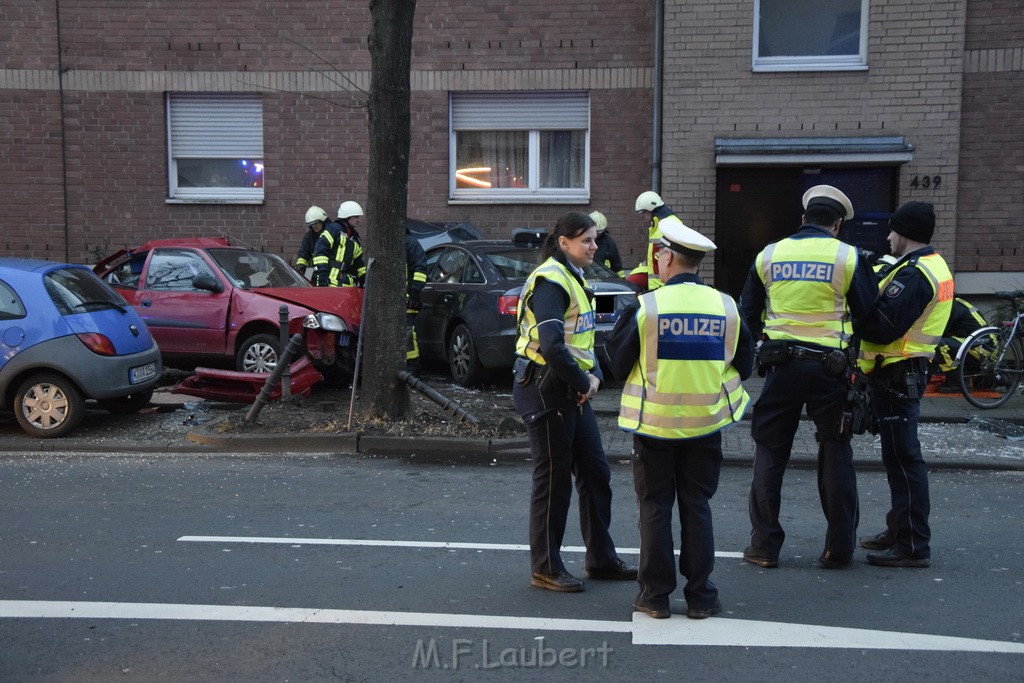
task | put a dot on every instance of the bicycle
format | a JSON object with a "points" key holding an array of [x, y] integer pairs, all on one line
{"points": [[991, 359]]}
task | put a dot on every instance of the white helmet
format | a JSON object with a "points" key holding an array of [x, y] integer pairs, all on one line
{"points": [[600, 221], [648, 201], [349, 209], [314, 214]]}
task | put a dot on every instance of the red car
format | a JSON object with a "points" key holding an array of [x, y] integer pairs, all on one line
{"points": [[208, 303]]}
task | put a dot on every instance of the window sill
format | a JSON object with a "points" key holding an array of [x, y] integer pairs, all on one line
{"points": [[211, 200]]}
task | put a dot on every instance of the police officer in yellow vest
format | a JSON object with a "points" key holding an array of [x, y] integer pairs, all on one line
{"points": [[803, 291], [913, 307], [556, 374], [650, 205], [685, 349]]}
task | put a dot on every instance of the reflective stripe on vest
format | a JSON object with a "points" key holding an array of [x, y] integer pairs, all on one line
{"points": [[805, 282], [683, 386], [926, 332], [578, 328]]}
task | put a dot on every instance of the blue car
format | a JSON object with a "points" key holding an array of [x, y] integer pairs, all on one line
{"points": [[67, 337]]}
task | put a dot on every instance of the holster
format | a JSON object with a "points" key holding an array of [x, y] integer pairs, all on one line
{"points": [[772, 352]]}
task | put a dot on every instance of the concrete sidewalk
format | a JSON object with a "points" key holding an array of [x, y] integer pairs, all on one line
{"points": [[954, 435]]}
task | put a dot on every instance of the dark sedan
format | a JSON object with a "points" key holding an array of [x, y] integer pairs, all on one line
{"points": [[470, 301]]}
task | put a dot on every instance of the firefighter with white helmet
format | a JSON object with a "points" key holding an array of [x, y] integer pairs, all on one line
{"points": [[607, 250], [316, 218], [350, 217], [338, 257], [650, 205]]}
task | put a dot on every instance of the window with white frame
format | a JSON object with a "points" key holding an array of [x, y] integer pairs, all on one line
{"points": [[215, 147], [521, 147], [810, 35]]}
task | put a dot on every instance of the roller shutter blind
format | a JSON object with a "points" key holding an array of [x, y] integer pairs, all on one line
{"points": [[215, 126], [521, 111]]}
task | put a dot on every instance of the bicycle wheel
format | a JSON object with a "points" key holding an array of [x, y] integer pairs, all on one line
{"points": [[990, 368]]}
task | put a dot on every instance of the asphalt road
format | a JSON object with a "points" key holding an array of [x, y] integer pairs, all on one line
{"points": [[310, 568]]}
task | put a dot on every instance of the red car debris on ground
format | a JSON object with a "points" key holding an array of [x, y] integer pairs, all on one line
{"points": [[207, 302]]}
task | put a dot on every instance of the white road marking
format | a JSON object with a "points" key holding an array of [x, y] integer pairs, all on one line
{"points": [[645, 631], [142, 610], [400, 544], [748, 633]]}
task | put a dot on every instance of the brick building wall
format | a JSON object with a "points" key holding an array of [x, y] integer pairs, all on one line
{"points": [[911, 88], [991, 196], [119, 65]]}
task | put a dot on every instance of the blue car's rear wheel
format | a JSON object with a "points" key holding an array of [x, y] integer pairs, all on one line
{"points": [[48, 405], [462, 359]]}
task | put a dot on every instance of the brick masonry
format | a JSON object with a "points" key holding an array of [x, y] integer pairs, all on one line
{"points": [[946, 75]]}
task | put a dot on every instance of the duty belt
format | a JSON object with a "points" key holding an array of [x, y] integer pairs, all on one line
{"points": [[802, 352]]}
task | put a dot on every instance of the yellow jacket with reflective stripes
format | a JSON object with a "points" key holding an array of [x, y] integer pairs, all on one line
{"points": [[683, 385], [806, 281], [926, 332], [579, 317]]}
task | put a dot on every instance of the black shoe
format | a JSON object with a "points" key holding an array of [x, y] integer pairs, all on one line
{"points": [[831, 560], [563, 582], [766, 562], [882, 541], [616, 571], [694, 613], [651, 611], [894, 558]]}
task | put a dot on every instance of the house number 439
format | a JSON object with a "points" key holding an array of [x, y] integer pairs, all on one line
{"points": [[926, 181]]}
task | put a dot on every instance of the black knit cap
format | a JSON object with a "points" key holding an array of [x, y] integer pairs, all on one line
{"points": [[915, 221]]}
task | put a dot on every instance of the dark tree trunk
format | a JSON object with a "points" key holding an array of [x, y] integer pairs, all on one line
{"points": [[390, 44]]}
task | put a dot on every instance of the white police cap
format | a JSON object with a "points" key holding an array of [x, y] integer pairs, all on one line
{"points": [[677, 236], [829, 196]]}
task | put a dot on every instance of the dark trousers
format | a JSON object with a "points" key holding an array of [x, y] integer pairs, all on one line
{"points": [[565, 443], [897, 417], [687, 471], [776, 417]]}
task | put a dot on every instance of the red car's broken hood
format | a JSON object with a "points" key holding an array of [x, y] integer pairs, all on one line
{"points": [[344, 302]]}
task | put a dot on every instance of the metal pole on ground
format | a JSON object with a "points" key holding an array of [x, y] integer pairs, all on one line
{"points": [[450, 406], [359, 346], [294, 345]]}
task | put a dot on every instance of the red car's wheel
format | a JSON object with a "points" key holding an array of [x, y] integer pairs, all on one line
{"points": [[258, 353]]}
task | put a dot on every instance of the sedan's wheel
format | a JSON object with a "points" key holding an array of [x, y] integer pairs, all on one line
{"points": [[462, 359], [48, 406], [258, 353]]}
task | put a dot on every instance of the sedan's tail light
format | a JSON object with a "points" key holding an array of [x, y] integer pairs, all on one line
{"points": [[508, 305], [98, 343]]}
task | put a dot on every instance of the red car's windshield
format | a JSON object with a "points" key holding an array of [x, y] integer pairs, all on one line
{"points": [[255, 269]]}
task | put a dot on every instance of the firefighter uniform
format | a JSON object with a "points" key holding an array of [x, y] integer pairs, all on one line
{"points": [[337, 260], [607, 251], [416, 278], [897, 344], [685, 349], [652, 203], [964, 318], [304, 259], [801, 293]]}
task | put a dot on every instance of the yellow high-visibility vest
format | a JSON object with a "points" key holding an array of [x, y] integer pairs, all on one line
{"points": [[579, 317], [926, 332], [806, 281], [683, 385]]}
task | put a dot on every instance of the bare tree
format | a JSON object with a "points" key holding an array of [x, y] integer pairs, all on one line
{"points": [[390, 43]]}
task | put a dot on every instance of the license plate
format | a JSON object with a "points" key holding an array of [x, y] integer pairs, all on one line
{"points": [[142, 373]]}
